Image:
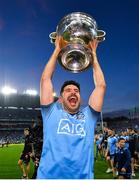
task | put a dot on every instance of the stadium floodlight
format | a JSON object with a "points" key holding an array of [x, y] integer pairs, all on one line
{"points": [[31, 92], [6, 90]]}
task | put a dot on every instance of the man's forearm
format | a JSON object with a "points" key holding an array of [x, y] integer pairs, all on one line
{"points": [[99, 80], [50, 66], [46, 86], [97, 96]]}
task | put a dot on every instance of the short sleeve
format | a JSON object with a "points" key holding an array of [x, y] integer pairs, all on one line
{"points": [[46, 110]]}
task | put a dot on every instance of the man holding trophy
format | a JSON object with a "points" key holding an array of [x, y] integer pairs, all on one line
{"points": [[68, 131]]}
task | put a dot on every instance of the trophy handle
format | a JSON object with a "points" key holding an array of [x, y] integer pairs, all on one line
{"points": [[100, 35], [52, 37]]}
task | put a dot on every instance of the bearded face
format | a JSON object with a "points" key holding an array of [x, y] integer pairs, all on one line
{"points": [[70, 98]]}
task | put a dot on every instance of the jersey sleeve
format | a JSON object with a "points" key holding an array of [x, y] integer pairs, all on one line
{"points": [[46, 110], [91, 115]]}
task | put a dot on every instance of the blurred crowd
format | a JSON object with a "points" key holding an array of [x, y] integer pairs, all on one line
{"points": [[120, 150]]}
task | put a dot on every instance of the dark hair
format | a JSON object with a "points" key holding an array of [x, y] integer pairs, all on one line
{"points": [[66, 83], [120, 139]]}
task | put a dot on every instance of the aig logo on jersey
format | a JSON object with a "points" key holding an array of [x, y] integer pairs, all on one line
{"points": [[70, 128]]}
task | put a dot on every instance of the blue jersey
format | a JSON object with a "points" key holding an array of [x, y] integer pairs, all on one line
{"points": [[112, 140], [67, 143], [99, 141]]}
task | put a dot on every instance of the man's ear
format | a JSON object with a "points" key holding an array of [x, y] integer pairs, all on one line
{"points": [[60, 100]]}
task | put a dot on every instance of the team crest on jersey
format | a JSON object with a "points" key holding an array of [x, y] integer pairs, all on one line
{"points": [[67, 127]]}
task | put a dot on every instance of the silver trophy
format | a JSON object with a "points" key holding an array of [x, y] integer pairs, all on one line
{"points": [[77, 30]]}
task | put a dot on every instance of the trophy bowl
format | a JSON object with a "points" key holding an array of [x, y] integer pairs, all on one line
{"points": [[77, 30], [75, 57]]}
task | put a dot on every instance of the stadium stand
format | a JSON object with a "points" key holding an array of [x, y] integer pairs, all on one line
{"points": [[19, 111], [16, 113]]}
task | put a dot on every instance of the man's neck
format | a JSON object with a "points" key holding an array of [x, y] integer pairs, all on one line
{"points": [[70, 112]]}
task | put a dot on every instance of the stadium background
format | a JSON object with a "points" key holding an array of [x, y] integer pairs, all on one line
{"points": [[19, 111]]}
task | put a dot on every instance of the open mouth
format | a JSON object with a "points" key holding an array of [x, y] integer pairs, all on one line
{"points": [[73, 100]]}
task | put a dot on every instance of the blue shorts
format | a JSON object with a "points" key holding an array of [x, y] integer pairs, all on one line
{"points": [[111, 156]]}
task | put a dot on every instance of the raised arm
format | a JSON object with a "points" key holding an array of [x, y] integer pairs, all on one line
{"points": [[46, 86], [97, 96]]}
